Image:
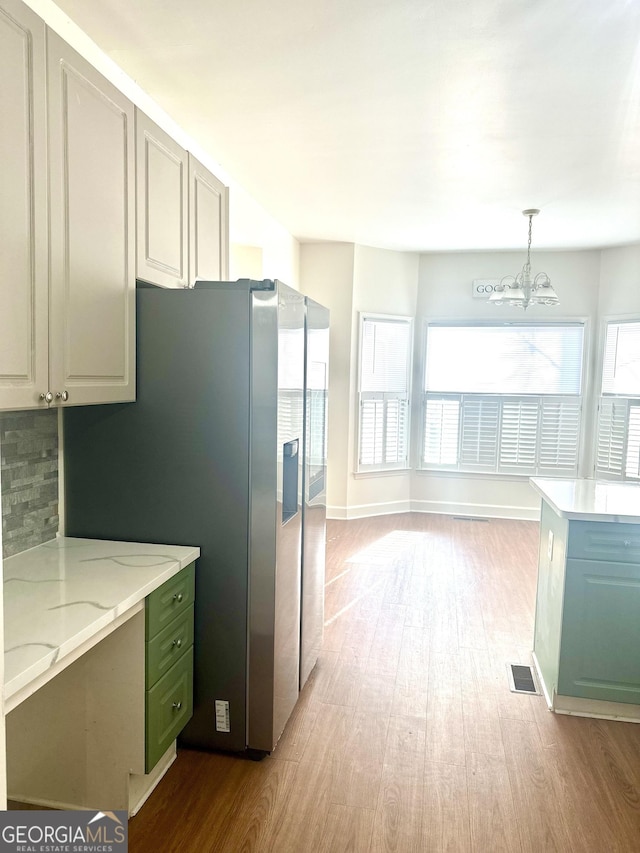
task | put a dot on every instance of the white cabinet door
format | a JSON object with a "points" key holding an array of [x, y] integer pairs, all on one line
{"points": [[161, 206], [92, 229], [208, 225], [23, 208]]}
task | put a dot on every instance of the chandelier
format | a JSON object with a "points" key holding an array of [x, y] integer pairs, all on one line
{"points": [[521, 290]]}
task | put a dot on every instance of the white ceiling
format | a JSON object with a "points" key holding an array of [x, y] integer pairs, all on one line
{"points": [[406, 124]]}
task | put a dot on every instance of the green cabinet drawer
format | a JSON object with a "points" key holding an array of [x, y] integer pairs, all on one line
{"points": [[170, 600], [168, 646], [601, 540], [169, 707], [601, 632]]}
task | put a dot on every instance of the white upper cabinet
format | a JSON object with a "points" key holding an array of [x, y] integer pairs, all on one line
{"points": [[182, 212], [162, 206], [92, 227], [67, 224], [208, 225], [23, 208], [78, 164]]}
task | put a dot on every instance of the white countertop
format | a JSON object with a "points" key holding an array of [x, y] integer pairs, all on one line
{"points": [[591, 500], [61, 594]]}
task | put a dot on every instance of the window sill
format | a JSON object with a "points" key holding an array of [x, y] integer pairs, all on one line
{"points": [[383, 472], [488, 475]]}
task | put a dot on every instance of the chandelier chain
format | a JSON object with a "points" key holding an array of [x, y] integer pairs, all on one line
{"points": [[529, 243]]}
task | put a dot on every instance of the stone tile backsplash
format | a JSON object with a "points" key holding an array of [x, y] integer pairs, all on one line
{"points": [[29, 460]]}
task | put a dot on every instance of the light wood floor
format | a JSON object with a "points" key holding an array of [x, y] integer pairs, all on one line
{"points": [[407, 737]]}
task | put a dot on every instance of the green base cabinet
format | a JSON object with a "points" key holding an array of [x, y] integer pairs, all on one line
{"points": [[169, 663], [587, 635], [601, 635]]}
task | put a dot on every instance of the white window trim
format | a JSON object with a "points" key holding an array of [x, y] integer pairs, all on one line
{"points": [[598, 397], [402, 466]]}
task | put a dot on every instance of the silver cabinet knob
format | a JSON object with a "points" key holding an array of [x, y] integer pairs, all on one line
{"points": [[178, 597], [62, 395], [176, 706], [177, 643], [48, 397]]}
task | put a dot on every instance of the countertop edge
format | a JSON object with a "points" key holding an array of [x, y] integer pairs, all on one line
{"points": [[578, 515]]}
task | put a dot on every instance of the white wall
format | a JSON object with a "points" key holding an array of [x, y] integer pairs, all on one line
{"points": [[245, 262], [250, 225], [445, 293], [384, 282], [326, 273], [347, 279], [620, 281]]}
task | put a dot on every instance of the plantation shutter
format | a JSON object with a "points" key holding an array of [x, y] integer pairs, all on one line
{"points": [[371, 431], [441, 418], [632, 466], [384, 380], [559, 435], [612, 428], [480, 427], [519, 435], [396, 430]]}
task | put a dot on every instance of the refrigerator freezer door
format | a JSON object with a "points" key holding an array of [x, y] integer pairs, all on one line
{"points": [[274, 596], [314, 509]]}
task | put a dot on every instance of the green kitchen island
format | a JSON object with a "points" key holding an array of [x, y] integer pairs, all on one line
{"points": [[587, 627]]}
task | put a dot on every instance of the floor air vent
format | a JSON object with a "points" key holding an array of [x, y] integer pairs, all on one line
{"points": [[468, 518], [521, 679]]}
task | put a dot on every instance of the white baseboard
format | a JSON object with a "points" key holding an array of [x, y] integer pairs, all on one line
{"points": [[141, 787], [519, 513], [46, 803], [597, 708], [343, 513], [468, 510], [547, 696]]}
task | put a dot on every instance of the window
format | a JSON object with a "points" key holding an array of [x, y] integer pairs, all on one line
{"points": [[384, 386], [618, 436], [503, 398]]}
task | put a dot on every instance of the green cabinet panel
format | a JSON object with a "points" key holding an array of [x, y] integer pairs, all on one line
{"points": [[550, 596], [600, 650], [168, 645], [587, 631], [169, 706], [170, 600], [168, 663]]}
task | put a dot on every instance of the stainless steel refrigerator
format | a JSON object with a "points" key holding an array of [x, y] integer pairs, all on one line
{"points": [[225, 448]]}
